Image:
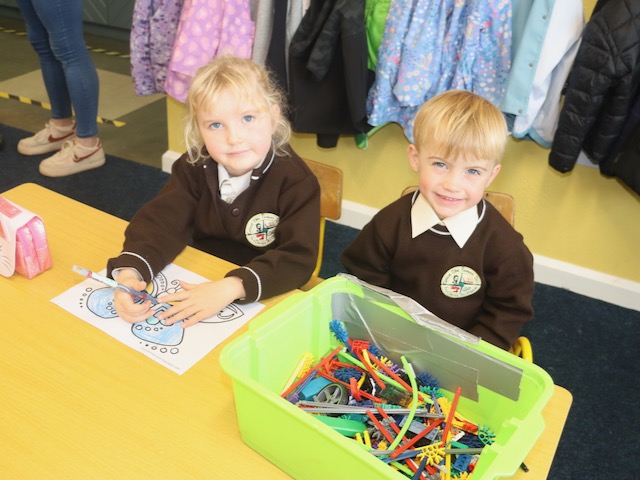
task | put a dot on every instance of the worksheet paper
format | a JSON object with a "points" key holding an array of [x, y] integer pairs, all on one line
{"points": [[176, 348]]}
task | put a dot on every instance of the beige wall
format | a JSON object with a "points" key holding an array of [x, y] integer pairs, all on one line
{"points": [[580, 218]]}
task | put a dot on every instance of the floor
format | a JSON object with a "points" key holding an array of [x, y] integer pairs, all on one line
{"points": [[130, 126]]}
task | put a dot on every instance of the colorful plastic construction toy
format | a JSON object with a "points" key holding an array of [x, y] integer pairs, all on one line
{"points": [[401, 417]]}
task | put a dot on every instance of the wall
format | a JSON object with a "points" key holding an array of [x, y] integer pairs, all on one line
{"points": [[582, 227]]}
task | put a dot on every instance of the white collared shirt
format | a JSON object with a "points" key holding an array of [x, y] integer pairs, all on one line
{"points": [[230, 187], [461, 226]]}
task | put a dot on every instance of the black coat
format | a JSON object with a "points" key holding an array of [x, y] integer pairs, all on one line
{"points": [[328, 75], [601, 88], [626, 166]]}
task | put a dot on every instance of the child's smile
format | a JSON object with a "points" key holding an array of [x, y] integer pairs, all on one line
{"points": [[451, 185]]}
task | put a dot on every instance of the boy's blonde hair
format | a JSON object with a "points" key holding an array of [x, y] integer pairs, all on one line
{"points": [[244, 78], [458, 123]]}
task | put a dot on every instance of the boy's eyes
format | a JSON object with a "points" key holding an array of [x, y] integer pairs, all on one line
{"points": [[470, 171]]}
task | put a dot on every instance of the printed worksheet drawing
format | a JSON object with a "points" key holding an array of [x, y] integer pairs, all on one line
{"points": [[176, 348]]}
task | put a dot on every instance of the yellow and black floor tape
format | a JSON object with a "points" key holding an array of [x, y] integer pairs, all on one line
{"points": [[47, 106], [14, 32], [104, 51], [108, 52]]}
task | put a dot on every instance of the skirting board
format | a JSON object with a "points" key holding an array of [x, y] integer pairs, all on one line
{"points": [[589, 283], [168, 158], [548, 271]]}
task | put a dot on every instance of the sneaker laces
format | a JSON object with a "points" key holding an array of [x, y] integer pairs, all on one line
{"points": [[66, 152], [43, 135]]}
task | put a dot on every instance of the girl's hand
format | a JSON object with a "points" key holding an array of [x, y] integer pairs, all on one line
{"points": [[126, 308], [196, 302]]}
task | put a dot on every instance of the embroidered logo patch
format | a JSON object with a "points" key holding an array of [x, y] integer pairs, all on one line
{"points": [[261, 229], [460, 282]]}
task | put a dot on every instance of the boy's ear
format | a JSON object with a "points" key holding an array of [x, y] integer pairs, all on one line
{"points": [[494, 173], [412, 153]]}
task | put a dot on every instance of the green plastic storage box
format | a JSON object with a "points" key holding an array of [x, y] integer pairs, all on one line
{"points": [[261, 361]]}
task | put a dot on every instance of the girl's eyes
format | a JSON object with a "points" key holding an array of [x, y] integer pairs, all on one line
{"points": [[245, 119]]}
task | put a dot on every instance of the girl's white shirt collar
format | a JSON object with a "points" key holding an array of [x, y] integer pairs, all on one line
{"points": [[238, 184]]}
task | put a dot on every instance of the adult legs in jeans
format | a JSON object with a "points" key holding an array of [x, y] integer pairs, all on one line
{"points": [[55, 30]]}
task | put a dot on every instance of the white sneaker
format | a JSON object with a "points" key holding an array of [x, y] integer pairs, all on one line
{"points": [[73, 158], [49, 139]]}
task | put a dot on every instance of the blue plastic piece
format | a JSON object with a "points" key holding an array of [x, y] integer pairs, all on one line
{"points": [[462, 462], [340, 333], [312, 388], [471, 441], [426, 380], [345, 374]]}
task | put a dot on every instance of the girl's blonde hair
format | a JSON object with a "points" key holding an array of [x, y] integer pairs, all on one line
{"points": [[244, 78], [458, 123]]}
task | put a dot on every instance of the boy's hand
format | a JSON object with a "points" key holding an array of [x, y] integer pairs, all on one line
{"points": [[196, 302], [126, 308]]}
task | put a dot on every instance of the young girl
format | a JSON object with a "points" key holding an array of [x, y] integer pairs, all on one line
{"points": [[240, 193]]}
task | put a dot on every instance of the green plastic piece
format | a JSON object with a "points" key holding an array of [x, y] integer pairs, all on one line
{"points": [[348, 428]]}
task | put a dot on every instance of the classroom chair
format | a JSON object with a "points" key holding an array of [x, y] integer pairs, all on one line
{"points": [[506, 205], [330, 179]]}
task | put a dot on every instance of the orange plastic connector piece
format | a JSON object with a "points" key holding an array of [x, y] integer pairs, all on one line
{"points": [[353, 387], [359, 345]]}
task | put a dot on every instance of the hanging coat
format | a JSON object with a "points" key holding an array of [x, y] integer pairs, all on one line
{"points": [[328, 74], [207, 29], [430, 46], [153, 31], [602, 86]]}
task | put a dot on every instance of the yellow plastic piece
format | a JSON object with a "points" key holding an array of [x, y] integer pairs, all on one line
{"points": [[434, 453], [301, 369], [367, 438], [522, 348]]}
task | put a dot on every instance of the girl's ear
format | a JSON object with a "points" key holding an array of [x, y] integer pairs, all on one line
{"points": [[276, 111], [414, 160]]}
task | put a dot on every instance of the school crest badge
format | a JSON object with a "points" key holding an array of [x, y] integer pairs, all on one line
{"points": [[460, 282], [261, 229]]}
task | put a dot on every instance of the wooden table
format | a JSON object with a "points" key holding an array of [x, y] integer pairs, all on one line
{"points": [[78, 404]]}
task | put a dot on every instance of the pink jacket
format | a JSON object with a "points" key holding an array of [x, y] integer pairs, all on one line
{"points": [[207, 29]]}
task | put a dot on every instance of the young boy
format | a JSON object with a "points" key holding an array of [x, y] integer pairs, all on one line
{"points": [[444, 245]]}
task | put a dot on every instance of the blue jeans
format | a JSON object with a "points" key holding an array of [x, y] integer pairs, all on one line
{"points": [[54, 29]]}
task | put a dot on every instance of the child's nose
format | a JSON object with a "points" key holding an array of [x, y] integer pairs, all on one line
{"points": [[233, 135], [452, 180]]}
